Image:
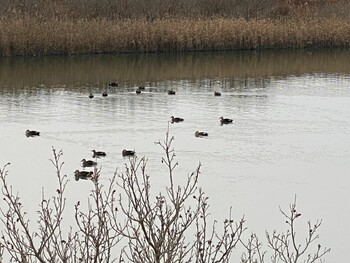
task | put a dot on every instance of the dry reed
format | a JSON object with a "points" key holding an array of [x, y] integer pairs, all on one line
{"points": [[28, 36], [58, 28]]}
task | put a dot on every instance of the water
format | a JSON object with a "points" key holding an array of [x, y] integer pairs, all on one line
{"points": [[290, 131]]}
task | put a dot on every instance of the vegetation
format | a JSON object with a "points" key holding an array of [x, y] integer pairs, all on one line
{"points": [[125, 221], [43, 27]]}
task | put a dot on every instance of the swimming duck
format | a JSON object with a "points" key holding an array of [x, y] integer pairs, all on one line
{"points": [[175, 119], [91, 95], [200, 134], [32, 133], [138, 91], [84, 175], [104, 94], [141, 88], [128, 153], [113, 84], [96, 154], [216, 93], [225, 120], [171, 92], [88, 163]]}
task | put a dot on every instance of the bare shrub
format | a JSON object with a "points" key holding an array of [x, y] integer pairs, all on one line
{"points": [[156, 227], [96, 238], [126, 221], [92, 242], [285, 245], [45, 244]]}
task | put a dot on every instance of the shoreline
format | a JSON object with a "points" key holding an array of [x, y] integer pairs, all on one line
{"points": [[30, 36]]}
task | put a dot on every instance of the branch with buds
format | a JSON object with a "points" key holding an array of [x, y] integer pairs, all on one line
{"points": [[285, 245]]}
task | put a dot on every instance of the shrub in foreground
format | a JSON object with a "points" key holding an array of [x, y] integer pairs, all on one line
{"points": [[125, 221]]}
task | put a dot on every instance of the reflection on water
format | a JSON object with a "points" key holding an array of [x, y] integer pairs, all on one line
{"points": [[148, 69], [290, 130]]}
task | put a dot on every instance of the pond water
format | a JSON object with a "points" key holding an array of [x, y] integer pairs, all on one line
{"points": [[290, 134]]}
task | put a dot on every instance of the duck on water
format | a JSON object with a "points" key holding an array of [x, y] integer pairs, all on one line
{"points": [[88, 163], [128, 153], [30, 133], [84, 175], [200, 134], [176, 119], [97, 154], [225, 120]]}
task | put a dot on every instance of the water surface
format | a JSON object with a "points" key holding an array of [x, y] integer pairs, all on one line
{"points": [[290, 131]]}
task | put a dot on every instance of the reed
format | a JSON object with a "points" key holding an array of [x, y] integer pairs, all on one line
{"points": [[30, 36], [60, 27]]}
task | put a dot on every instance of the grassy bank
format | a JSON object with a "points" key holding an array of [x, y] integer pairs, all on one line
{"points": [[62, 31]]}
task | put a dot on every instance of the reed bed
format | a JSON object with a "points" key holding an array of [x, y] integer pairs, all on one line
{"points": [[33, 36], [41, 27]]}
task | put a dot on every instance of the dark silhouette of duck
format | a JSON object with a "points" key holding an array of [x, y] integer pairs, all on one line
{"points": [[88, 163], [138, 91], [225, 120], [32, 133], [91, 96], [200, 134], [104, 94], [141, 88], [113, 84], [128, 153], [97, 154], [171, 92], [176, 119], [216, 93], [84, 175]]}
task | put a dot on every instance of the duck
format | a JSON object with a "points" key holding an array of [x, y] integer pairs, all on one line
{"points": [[217, 93], [30, 133], [171, 92], [142, 88], [96, 154], [88, 163], [113, 84], [176, 119], [200, 134], [128, 153], [84, 175], [225, 120], [104, 94], [91, 95], [138, 91]]}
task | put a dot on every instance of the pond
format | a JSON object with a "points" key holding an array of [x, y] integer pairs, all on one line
{"points": [[290, 134]]}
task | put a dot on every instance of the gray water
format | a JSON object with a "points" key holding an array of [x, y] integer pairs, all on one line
{"points": [[289, 136]]}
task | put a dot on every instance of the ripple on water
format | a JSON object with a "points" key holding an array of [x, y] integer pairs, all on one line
{"points": [[280, 134]]}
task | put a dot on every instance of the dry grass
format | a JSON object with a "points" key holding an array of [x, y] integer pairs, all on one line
{"points": [[90, 26], [30, 36]]}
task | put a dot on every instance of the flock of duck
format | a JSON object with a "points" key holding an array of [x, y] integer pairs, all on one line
{"points": [[82, 174], [139, 91], [85, 163]]}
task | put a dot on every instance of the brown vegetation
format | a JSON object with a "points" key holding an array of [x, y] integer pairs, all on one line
{"points": [[91, 26]]}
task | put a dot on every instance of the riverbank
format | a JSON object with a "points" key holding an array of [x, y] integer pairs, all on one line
{"points": [[32, 36]]}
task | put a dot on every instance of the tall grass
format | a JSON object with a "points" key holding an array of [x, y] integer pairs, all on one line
{"points": [[60, 27], [28, 36]]}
